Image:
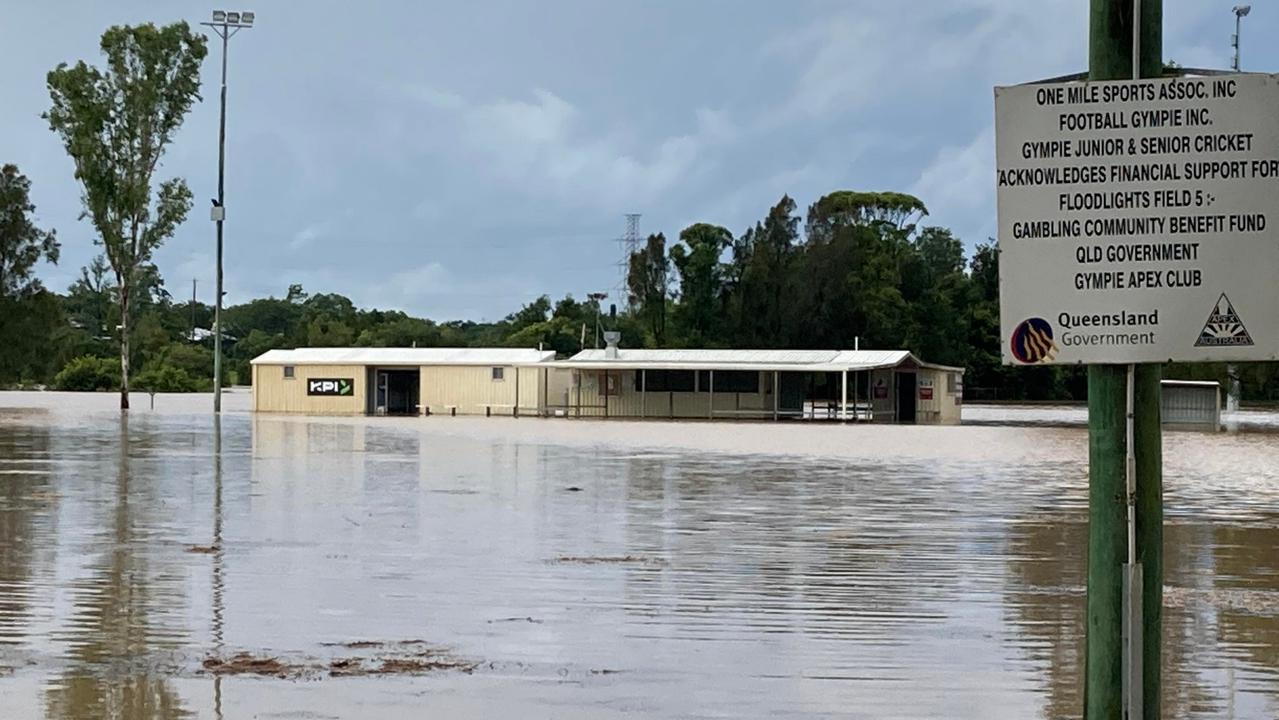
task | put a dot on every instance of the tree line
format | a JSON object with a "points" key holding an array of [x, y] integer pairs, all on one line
{"points": [[856, 269]]}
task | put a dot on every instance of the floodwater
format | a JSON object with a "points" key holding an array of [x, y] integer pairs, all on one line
{"points": [[588, 569]]}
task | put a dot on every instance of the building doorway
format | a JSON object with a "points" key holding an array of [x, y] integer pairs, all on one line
{"points": [[395, 392], [905, 397], [792, 394]]}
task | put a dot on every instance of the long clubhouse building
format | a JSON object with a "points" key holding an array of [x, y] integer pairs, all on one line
{"points": [[853, 385]]}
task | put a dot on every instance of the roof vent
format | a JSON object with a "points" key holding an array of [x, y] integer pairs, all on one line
{"points": [[611, 338]]}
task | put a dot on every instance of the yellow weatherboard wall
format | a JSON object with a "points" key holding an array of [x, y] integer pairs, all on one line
{"points": [[272, 392], [470, 388], [944, 406]]}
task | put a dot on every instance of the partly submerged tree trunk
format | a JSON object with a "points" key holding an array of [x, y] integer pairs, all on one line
{"points": [[124, 345]]}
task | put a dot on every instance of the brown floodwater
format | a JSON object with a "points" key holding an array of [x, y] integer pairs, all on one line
{"points": [[495, 568]]}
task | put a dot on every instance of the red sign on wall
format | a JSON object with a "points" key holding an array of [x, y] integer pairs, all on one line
{"points": [[925, 393]]}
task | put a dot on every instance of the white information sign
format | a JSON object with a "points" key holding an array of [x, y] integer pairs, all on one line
{"points": [[1139, 220]]}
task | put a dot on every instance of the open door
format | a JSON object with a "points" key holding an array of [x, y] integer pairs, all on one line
{"points": [[396, 392], [905, 397], [792, 393]]}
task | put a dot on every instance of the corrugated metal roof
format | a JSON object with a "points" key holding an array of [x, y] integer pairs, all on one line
{"points": [[711, 357], [767, 360], [404, 356], [882, 358]]}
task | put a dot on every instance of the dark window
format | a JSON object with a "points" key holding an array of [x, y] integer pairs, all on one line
{"points": [[499, 373], [288, 371], [664, 380], [729, 381]]}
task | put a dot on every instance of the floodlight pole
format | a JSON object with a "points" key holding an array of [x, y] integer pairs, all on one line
{"points": [[1239, 11], [1232, 373], [225, 29], [217, 307]]}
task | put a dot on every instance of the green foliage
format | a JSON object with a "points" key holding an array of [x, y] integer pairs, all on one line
{"points": [[116, 124], [531, 314], [698, 259], [26, 309], [33, 338], [166, 379], [87, 374], [22, 244], [194, 360], [269, 315], [848, 207], [648, 284]]}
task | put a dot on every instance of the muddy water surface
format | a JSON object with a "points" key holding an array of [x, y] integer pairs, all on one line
{"points": [[472, 568]]}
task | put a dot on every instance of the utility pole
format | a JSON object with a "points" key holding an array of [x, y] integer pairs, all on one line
{"points": [[193, 282], [225, 24], [1124, 461]]}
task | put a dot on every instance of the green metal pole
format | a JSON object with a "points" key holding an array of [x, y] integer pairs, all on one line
{"points": [[1110, 50], [1148, 446], [1107, 540]]}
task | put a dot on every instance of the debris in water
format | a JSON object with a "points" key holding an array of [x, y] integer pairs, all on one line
{"points": [[416, 666], [365, 644], [573, 488], [203, 549], [246, 664], [608, 560], [395, 657], [408, 657], [355, 644], [346, 667], [517, 619]]}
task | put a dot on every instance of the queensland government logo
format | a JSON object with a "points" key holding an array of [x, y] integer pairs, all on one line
{"points": [[1032, 342], [1224, 328]]}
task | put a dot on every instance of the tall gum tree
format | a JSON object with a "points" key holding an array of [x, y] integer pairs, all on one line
{"points": [[116, 123]]}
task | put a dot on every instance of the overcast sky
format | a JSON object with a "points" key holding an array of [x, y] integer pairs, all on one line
{"points": [[457, 159]]}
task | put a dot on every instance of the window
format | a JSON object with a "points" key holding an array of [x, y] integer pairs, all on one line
{"points": [[954, 383], [729, 381], [288, 371], [665, 380], [499, 374]]}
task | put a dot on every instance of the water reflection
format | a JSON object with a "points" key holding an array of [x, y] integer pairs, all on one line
{"points": [[603, 570], [218, 599], [28, 506], [114, 634], [1221, 611]]}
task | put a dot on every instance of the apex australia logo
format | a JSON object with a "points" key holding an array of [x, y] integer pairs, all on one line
{"points": [[330, 386], [1032, 342], [1224, 328]]}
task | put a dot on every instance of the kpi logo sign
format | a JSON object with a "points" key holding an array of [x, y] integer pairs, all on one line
{"points": [[330, 386]]}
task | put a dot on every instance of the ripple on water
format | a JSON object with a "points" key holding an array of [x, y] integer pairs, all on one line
{"points": [[700, 571]]}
